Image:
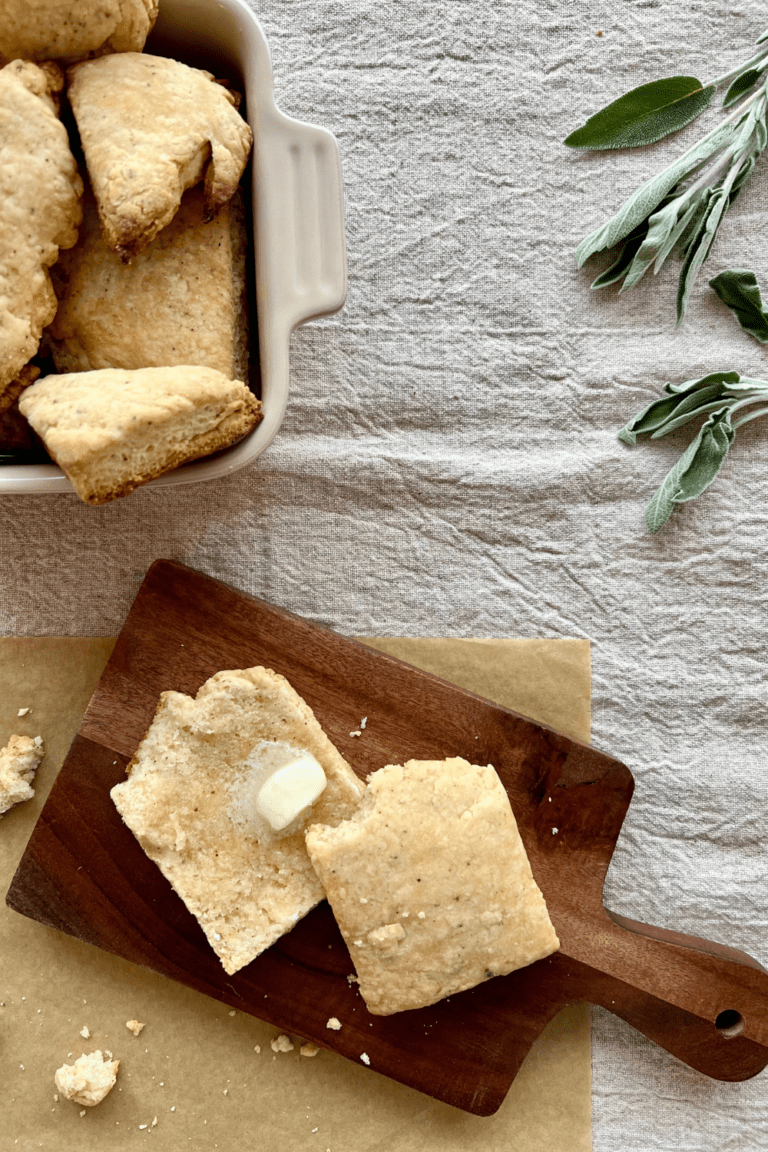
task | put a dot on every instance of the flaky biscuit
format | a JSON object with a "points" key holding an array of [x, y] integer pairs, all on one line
{"points": [[430, 884], [40, 191], [70, 30], [150, 128]]}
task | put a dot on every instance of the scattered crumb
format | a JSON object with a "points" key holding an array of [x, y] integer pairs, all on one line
{"points": [[174, 1108], [599, 33], [365, 1058], [281, 1043], [257, 1048], [226, 1090], [555, 831], [421, 915], [353, 979], [357, 732], [56, 1097], [233, 1013], [142, 1127], [334, 1024], [154, 1122], [364, 721], [135, 1026], [88, 1080], [85, 1032], [363, 900], [309, 1050], [83, 1112], [22, 711]]}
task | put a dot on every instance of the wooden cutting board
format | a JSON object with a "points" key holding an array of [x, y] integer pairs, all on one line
{"points": [[84, 873]]}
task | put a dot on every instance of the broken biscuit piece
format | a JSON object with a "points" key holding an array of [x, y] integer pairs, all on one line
{"points": [[430, 884], [150, 128], [88, 1080], [192, 800], [19, 761], [40, 192], [61, 30]]}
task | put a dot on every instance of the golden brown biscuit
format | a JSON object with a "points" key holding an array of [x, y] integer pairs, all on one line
{"points": [[430, 884], [151, 128], [180, 301], [188, 802], [111, 431], [40, 192], [70, 30]]}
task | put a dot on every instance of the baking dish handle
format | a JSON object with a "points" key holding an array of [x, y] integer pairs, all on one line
{"points": [[301, 252]]}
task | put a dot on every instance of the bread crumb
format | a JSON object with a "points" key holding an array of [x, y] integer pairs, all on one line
{"points": [[365, 1058], [83, 1112], [134, 1026], [257, 1047], [555, 831], [334, 1024], [364, 721], [309, 1050], [154, 1122], [357, 732], [233, 1013], [88, 1080], [85, 1032], [23, 711], [353, 979], [281, 1043]]}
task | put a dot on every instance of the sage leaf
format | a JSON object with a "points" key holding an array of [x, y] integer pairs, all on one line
{"points": [[623, 260], [694, 471], [678, 232], [644, 115], [738, 289], [698, 249], [682, 402], [649, 196], [660, 225], [741, 85], [730, 378]]}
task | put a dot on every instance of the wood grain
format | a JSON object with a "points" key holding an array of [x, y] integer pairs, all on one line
{"points": [[84, 873]]}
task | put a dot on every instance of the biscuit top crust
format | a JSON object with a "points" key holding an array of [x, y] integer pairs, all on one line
{"points": [[150, 128], [67, 31], [40, 190], [82, 413]]}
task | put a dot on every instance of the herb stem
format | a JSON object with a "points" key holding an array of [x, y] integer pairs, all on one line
{"points": [[756, 59]]}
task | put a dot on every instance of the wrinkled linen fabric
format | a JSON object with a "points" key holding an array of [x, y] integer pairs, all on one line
{"points": [[449, 462]]}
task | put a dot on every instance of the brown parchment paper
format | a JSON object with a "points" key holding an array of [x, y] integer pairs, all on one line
{"points": [[195, 1067]]}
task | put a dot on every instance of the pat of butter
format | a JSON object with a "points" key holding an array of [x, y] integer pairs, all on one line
{"points": [[290, 790]]}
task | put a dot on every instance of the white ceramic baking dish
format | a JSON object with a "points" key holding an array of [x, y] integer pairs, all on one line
{"points": [[297, 214]]}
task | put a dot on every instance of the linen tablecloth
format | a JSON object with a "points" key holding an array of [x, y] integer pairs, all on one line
{"points": [[449, 462]]}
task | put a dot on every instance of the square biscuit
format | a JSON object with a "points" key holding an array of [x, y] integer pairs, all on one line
{"points": [[190, 801], [430, 884]]}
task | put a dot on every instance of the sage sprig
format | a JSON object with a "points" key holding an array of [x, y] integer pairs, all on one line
{"points": [[684, 206], [728, 400]]}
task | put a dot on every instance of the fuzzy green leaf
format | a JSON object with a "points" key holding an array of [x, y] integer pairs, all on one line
{"points": [[681, 403], [738, 289], [626, 255], [698, 249], [649, 196], [741, 85], [694, 471], [644, 115]]}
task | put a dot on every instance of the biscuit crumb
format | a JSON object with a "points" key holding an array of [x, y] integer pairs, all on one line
{"points": [[85, 1032], [309, 1050], [257, 1047], [134, 1026], [23, 711], [88, 1080], [233, 1013], [555, 831], [19, 760], [154, 1122], [281, 1043], [334, 1024], [353, 979], [365, 1058], [357, 732], [364, 721]]}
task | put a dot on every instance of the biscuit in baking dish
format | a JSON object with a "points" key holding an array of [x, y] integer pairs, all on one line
{"points": [[189, 799], [150, 128], [113, 430], [182, 300], [68, 31], [40, 192], [430, 884]]}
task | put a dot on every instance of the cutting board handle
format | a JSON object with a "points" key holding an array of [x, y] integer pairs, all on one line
{"points": [[705, 1003]]}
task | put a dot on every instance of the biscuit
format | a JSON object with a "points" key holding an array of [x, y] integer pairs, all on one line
{"points": [[40, 191], [430, 884], [180, 301], [150, 128], [111, 431], [67, 31], [188, 800]]}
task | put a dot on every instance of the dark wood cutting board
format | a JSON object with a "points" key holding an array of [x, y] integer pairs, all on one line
{"points": [[84, 873]]}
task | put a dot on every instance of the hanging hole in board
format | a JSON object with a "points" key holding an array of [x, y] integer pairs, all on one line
{"points": [[729, 1023]]}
